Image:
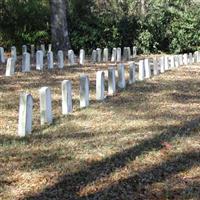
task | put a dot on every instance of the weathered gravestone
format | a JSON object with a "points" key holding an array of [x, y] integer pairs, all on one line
{"points": [[125, 54], [60, 58], [49, 47], [134, 52], [172, 62], [42, 47], [98, 55], [121, 76], [50, 60], [66, 97], [100, 88], [111, 81], [94, 56], [10, 67], [166, 63], [14, 53], [82, 57], [2, 56], [190, 58], [185, 59], [71, 57], [147, 68], [24, 49], [46, 116], [177, 64], [155, 67], [26, 63], [105, 55], [114, 55], [39, 60], [132, 73], [162, 64], [141, 70], [84, 91], [119, 54], [180, 56], [32, 50], [25, 114]]}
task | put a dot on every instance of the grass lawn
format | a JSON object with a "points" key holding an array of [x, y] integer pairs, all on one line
{"points": [[143, 143]]}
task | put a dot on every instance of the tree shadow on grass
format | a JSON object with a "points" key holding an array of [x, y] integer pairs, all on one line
{"points": [[130, 188]]}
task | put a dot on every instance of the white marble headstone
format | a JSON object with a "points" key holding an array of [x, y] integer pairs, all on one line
{"points": [[111, 81], [10, 67], [121, 76], [60, 58], [25, 114], [46, 116], [100, 88], [66, 97], [84, 91]]}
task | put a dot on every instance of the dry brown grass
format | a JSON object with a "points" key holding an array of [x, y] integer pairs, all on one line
{"points": [[142, 143]]}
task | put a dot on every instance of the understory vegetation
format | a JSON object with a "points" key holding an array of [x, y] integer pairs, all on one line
{"points": [[158, 25]]}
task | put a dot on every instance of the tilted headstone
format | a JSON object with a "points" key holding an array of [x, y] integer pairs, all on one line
{"points": [[105, 55], [84, 91], [134, 52], [94, 56], [60, 58], [147, 68], [132, 73], [82, 57], [24, 49], [14, 53], [10, 67], [121, 76], [71, 57], [141, 70], [25, 114], [100, 88], [66, 97], [119, 54], [2, 56], [111, 81], [26, 63], [155, 67], [98, 55], [39, 60], [50, 60], [114, 55], [162, 64], [46, 116], [32, 50]]}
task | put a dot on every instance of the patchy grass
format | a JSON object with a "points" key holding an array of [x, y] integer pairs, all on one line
{"points": [[143, 143]]}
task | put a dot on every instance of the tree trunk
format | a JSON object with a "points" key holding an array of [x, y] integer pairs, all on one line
{"points": [[59, 26]]}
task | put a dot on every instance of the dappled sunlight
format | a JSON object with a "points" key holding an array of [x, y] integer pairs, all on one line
{"points": [[112, 147]]}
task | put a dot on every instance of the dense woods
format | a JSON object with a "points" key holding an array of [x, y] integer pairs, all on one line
{"points": [[152, 25]]}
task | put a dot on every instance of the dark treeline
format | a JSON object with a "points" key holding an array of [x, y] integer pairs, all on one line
{"points": [[151, 25]]}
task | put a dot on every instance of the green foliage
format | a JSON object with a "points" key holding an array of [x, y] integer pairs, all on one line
{"points": [[167, 25], [24, 22]]}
